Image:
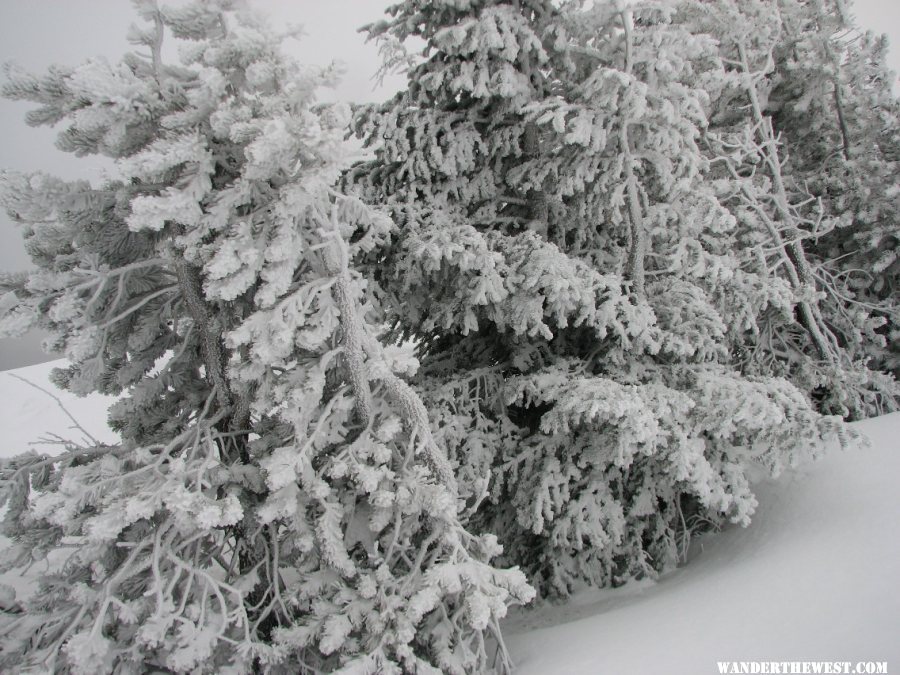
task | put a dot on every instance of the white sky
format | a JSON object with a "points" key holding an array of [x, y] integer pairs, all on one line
{"points": [[37, 33]]}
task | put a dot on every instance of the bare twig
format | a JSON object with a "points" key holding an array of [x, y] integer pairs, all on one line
{"points": [[62, 407]]}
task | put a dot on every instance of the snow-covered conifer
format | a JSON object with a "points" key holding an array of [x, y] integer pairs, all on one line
{"points": [[278, 499], [565, 258], [791, 194], [840, 124]]}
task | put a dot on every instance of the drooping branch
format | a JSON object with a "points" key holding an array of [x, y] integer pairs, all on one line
{"points": [[352, 332], [359, 346], [415, 416], [638, 249]]}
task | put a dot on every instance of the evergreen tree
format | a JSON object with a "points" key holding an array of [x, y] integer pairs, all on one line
{"points": [[821, 341], [278, 500], [839, 122], [576, 277]]}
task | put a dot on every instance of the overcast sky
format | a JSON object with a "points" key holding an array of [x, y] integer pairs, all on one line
{"points": [[37, 33]]}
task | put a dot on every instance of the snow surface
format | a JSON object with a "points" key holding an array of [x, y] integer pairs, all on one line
{"points": [[815, 577]]}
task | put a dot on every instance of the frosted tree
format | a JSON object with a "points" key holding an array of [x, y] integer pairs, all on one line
{"points": [[785, 216], [278, 501], [566, 263], [839, 122]]}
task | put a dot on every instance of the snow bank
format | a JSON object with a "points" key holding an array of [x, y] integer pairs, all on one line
{"points": [[815, 577]]}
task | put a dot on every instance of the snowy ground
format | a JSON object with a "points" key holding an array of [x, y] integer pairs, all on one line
{"points": [[815, 577]]}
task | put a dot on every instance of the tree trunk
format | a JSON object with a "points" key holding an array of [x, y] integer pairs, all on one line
{"points": [[793, 255], [637, 251]]}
